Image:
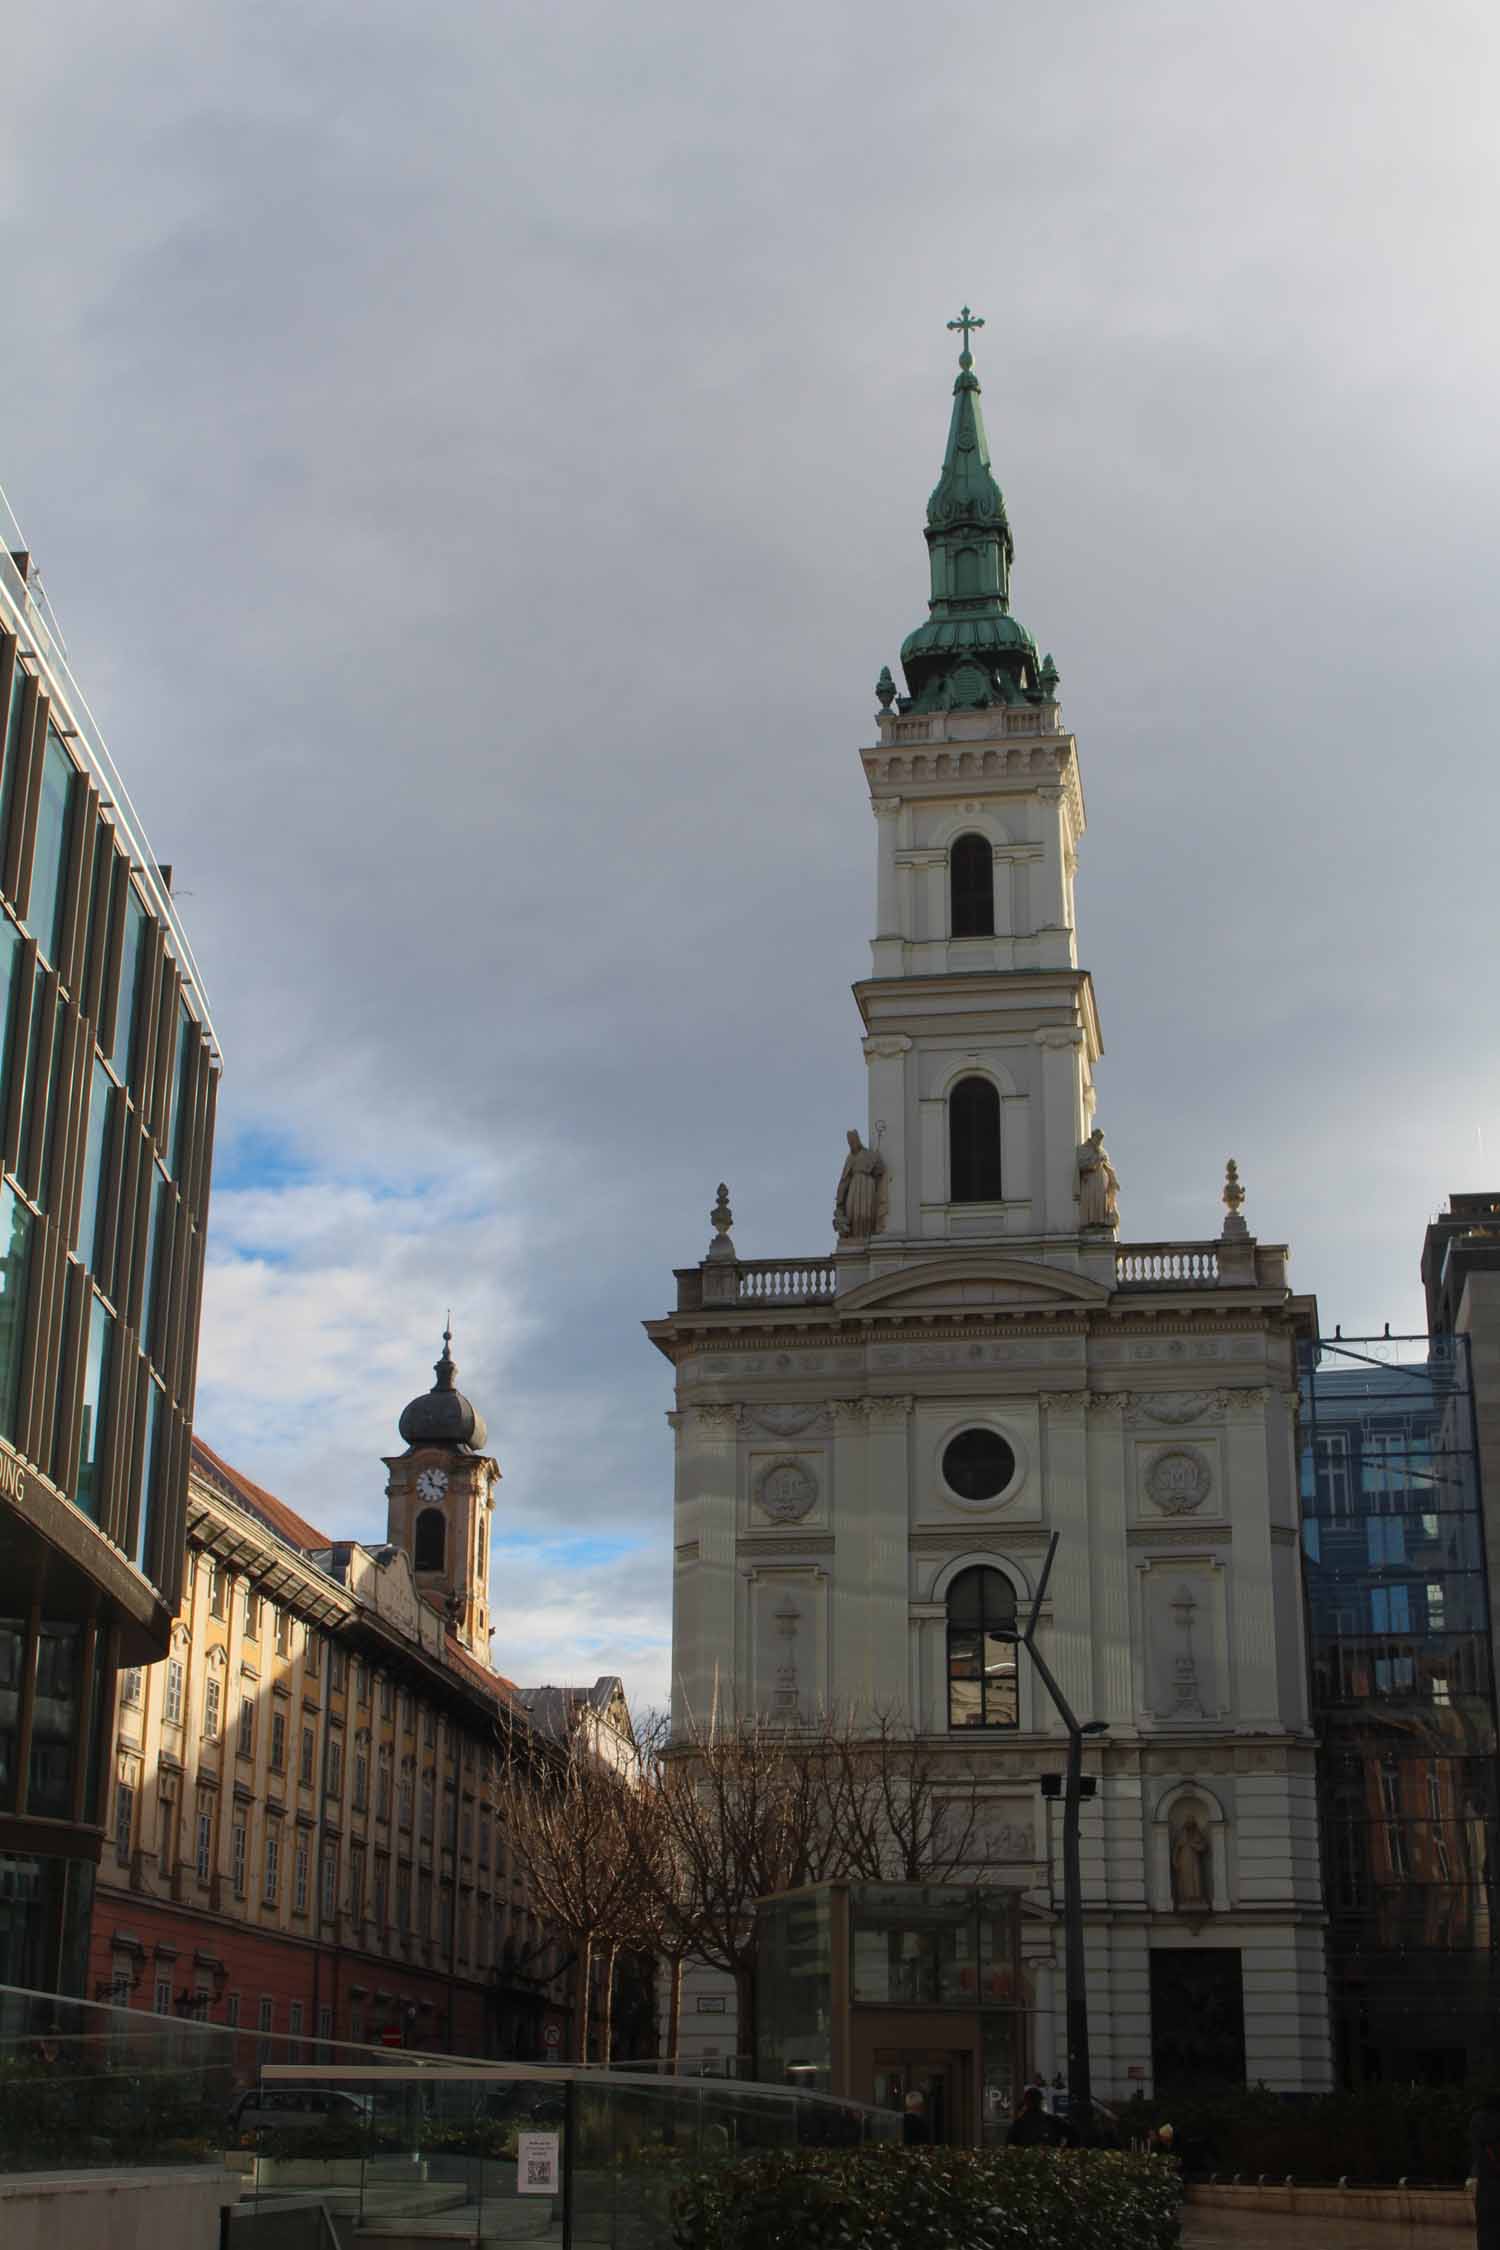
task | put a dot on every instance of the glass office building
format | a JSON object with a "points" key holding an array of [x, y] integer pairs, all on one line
{"points": [[108, 1075], [1404, 1703]]}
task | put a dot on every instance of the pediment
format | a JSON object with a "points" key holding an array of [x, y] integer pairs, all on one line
{"points": [[975, 1285]]}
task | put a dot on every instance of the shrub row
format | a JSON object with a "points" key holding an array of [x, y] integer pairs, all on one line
{"points": [[896, 2198], [1373, 2136]]}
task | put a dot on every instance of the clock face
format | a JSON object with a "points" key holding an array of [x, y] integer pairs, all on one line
{"points": [[432, 1484]]}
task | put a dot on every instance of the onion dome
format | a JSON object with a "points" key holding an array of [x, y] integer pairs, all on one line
{"points": [[443, 1416], [971, 652]]}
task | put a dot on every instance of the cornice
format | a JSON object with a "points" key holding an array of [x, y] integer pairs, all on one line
{"points": [[1111, 1314], [764, 1544]]}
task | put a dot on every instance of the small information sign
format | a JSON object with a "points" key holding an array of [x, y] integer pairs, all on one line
{"points": [[536, 2163]]}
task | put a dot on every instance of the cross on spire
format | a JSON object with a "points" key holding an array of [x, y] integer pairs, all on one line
{"points": [[966, 321]]}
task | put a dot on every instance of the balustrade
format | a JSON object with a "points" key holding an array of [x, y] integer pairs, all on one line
{"points": [[1151, 1265], [786, 1281]]}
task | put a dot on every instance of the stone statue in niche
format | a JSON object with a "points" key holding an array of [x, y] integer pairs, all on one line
{"points": [[858, 1203], [1098, 1184], [1192, 1861]]}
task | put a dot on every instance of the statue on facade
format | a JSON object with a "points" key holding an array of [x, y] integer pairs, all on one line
{"points": [[1098, 1184], [857, 1204], [1192, 1871]]}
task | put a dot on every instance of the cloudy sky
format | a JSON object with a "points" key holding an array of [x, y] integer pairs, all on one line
{"points": [[477, 455]]}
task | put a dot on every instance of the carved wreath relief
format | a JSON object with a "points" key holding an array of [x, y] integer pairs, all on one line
{"points": [[785, 1491], [786, 1421], [1179, 1480]]}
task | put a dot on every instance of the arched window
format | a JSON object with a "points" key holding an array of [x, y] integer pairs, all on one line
{"points": [[971, 876], [966, 572], [431, 1541], [982, 1650], [974, 1142]]}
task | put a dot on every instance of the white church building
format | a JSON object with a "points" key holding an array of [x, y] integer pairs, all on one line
{"points": [[875, 1442]]}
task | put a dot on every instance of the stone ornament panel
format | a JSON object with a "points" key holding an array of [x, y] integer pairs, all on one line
{"points": [[1177, 1479], [785, 1421], [1175, 1409], [1000, 1832], [786, 1489], [1181, 1656]]}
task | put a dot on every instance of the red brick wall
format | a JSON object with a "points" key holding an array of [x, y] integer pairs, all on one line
{"points": [[287, 1969]]}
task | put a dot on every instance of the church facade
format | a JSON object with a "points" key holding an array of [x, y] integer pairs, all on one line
{"points": [[875, 1443]]}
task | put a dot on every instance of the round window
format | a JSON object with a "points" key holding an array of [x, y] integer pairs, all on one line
{"points": [[978, 1464]]}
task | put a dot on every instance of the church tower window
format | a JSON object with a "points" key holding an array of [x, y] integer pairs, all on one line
{"points": [[974, 1142], [971, 872], [972, 887], [982, 1685], [430, 1542]]}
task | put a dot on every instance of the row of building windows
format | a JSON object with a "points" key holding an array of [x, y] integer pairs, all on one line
{"points": [[106, 1100], [173, 1703], [355, 1675], [365, 1900]]}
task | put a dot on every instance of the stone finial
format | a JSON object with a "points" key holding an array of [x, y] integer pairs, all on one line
{"points": [[1234, 1199], [885, 688], [722, 1218]]}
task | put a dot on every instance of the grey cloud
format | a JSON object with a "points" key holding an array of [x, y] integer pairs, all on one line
{"points": [[479, 459]]}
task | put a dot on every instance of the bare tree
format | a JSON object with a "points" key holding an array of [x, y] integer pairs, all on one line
{"points": [[909, 1811], [568, 1824], [735, 1811]]}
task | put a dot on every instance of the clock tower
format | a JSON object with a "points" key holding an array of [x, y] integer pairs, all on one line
{"points": [[441, 1498]]}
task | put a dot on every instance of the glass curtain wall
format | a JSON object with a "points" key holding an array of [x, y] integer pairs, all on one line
{"points": [[1404, 1703]]}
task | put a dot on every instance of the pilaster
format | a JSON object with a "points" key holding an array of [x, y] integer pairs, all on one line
{"points": [[886, 1057], [1062, 1128], [1109, 1562], [1064, 1445], [707, 1459], [887, 1526]]}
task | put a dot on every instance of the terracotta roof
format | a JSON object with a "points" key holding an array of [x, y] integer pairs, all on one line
{"points": [[273, 1513], [298, 1532], [463, 1660]]}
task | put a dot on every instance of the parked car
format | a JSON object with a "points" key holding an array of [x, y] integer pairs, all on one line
{"points": [[288, 2108]]}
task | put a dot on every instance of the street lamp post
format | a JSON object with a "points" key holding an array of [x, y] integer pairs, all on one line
{"points": [[1080, 2081]]}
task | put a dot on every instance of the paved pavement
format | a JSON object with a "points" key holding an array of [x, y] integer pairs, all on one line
{"points": [[1249, 2230]]}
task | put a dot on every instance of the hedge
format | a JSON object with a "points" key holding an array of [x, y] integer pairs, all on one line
{"points": [[1373, 2136], [898, 2198]]}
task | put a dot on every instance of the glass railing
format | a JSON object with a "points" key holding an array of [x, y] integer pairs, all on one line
{"points": [[387, 2138], [84, 2085]]}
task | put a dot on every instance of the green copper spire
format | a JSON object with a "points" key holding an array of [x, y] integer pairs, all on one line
{"points": [[971, 652]]}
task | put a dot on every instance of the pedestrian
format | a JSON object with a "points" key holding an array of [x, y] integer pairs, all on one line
{"points": [[1033, 2128], [1484, 2170]]}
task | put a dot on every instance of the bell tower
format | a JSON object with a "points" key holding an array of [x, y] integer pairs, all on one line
{"points": [[981, 1033], [440, 1499]]}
